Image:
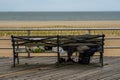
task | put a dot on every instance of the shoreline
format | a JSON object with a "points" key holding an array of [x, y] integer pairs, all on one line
{"points": [[60, 23]]}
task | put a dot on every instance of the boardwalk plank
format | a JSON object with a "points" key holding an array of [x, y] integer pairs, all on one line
{"points": [[46, 69]]}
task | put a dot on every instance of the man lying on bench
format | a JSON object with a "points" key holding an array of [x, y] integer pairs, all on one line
{"points": [[85, 52]]}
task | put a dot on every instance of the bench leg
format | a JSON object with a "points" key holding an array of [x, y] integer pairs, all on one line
{"points": [[17, 58], [101, 59], [14, 57]]}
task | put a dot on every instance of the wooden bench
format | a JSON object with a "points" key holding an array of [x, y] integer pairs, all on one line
{"points": [[21, 43]]}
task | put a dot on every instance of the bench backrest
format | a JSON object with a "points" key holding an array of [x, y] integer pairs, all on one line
{"points": [[19, 42]]}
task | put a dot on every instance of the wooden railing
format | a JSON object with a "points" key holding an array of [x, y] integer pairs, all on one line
{"points": [[88, 30]]}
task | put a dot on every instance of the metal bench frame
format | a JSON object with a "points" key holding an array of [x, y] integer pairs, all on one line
{"points": [[58, 41]]}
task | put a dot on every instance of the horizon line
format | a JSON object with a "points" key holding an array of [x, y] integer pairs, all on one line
{"points": [[59, 11]]}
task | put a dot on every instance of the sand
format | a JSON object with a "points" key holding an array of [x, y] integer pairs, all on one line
{"points": [[59, 23], [99, 24]]}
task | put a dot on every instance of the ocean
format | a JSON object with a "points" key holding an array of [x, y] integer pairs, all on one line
{"points": [[58, 16]]}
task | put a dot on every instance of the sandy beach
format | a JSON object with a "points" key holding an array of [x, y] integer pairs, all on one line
{"points": [[59, 23], [99, 24]]}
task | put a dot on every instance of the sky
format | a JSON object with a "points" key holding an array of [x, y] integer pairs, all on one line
{"points": [[59, 5]]}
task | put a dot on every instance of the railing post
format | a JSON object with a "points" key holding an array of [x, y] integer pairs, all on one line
{"points": [[28, 34], [89, 31]]}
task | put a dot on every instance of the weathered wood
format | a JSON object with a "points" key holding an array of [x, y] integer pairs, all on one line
{"points": [[51, 71]]}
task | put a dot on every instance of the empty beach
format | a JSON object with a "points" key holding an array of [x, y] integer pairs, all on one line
{"points": [[102, 24]]}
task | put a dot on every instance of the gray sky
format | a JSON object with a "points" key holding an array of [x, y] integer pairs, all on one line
{"points": [[59, 5]]}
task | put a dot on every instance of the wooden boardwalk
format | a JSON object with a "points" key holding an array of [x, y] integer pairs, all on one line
{"points": [[44, 68]]}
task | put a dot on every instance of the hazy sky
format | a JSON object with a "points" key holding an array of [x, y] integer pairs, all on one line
{"points": [[59, 5]]}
